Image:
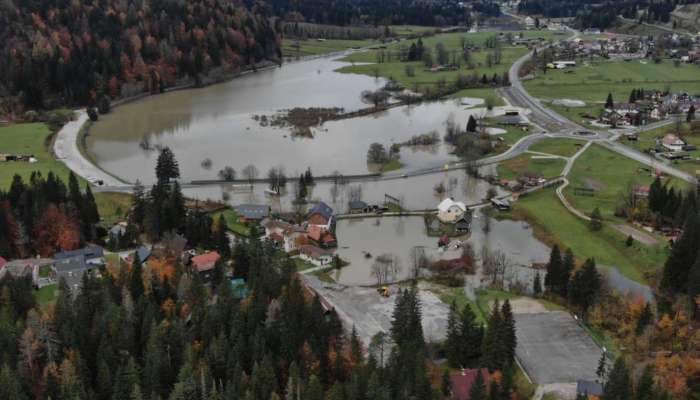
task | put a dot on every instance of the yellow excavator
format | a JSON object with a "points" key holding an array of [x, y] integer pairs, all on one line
{"points": [[384, 291]]}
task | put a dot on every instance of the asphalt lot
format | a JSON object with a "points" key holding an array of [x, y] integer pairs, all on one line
{"points": [[553, 348]]}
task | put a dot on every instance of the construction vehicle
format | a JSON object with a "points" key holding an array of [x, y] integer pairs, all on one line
{"points": [[384, 291]]}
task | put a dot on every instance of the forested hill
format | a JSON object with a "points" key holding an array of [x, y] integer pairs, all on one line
{"points": [[61, 52], [379, 12]]}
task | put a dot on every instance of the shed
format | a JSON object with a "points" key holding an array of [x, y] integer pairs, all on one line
{"points": [[357, 206]]}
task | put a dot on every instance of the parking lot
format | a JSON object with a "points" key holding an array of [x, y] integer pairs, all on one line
{"points": [[553, 348]]}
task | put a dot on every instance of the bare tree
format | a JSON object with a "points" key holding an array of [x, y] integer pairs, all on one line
{"points": [[227, 174], [418, 261], [385, 269], [251, 173], [494, 265]]}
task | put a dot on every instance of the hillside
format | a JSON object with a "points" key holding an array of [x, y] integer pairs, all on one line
{"points": [[687, 17], [55, 52]]}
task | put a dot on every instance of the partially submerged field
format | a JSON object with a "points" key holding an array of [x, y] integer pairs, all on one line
{"points": [[422, 76], [592, 81], [311, 47]]}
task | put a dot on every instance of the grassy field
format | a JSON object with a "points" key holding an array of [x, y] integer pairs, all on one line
{"points": [[515, 167], [406, 30], [452, 41], [46, 294], [233, 223], [558, 146], [553, 224], [311, 47], [480, 93], [576, 114], [34, 138], [608, 174], [593, 82]]}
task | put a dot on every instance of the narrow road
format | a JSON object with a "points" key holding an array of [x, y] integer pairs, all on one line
{"points": [[66, 149], [560, 189]]}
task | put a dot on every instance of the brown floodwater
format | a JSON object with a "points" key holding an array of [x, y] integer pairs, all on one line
{"points": [[216, 123]]}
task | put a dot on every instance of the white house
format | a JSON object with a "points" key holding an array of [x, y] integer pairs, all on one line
{"points": [[291, 237], [315, 255], [672, 142], [450, 211], [529, 22]]}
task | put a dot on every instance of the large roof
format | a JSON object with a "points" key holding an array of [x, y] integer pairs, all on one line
{"points": [[253, 211], [322, 209], [89, 251], [446, 204]]}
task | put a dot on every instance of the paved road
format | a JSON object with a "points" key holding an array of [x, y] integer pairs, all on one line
{"points": [[66, 149]]}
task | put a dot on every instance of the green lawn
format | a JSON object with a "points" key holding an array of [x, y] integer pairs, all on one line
{"points": [[311, 47], [592, 83], [558, 146], [392, 165], [406, 30], [233, 222], [46, 294], [608, 174], [576, 114], [34, 138], [480, 93], [553, 224], [422, 76], [513, 134], [525, 163]]}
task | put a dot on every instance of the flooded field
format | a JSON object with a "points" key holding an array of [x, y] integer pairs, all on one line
{"points": [[217, 123], [397, 236]]}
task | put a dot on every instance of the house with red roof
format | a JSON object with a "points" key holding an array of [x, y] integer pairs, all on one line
{"points": [[321, 236], [204, 264], [461, 382], [315, 255]]}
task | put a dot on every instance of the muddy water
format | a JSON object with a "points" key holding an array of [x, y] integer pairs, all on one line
{"points": [[216, 123], [397, 236], [416, 193]]}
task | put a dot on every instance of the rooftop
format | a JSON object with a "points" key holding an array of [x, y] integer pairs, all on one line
{"points": [[322, 209], [89, 251], [206, 261], [253, 211]]}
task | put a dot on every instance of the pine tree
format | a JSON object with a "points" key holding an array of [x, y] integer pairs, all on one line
{"points": [[694, 288], [584, 286], [646, 389], [136, 278], [138, 204], [478, 389], [691, 114], [617, 386], [602, 370], [537, 285], [223, 244], [682, 257], [453, 340], [471, 124], [609, 104], [167, 167], [446, 385], [554, 267], [472, 336], [493, 349], [507, 333], [566, 270], [314, 390]]}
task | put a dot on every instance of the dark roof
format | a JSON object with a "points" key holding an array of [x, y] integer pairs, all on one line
{"points": [[90, 251], [74, 263], [510, 120], [589, 388], [462, 381], [253, 211], [357, 205], [143, 252], [323, 209]]}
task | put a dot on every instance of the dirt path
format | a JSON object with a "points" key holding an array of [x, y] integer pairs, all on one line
{"points": [[636, 234]]}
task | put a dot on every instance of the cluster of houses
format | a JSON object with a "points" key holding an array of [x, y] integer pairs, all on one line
{"points": [[314, 239], [652, 105]]}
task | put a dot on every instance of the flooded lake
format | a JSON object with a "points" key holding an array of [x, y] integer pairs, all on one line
{"points": [[216, 123], [397, 236]]}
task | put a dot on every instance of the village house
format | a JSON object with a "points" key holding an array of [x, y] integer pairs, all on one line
{"points": [[143, 252], [204, 264], [461, 382], [449, 211], [321, 236], [321, 215], [672, 142], [24, 267], [529, 22], [252, 212], [463, 225], [93, 254], [71, 270], [357, 207], [315, 255]]}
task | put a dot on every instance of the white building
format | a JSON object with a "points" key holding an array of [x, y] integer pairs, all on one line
{"points": [[315, 255], [450, 211], [672, 142], [529, 22]]}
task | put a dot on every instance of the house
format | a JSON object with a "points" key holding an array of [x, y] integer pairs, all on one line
{"points": [[529, 22], [315, 255], [2, 262], [641, 191], [204, 264], [321, 236], [116, 232], [274, 226], [252, 212], [511, 120], [72, 269], [464, 224], [502, 205], [292, 237], [672, 142], [24, 267], [450, 211], [461, 382], [357, 207], [93, 254], [320, 215], [589, 389], [143, 252]]}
